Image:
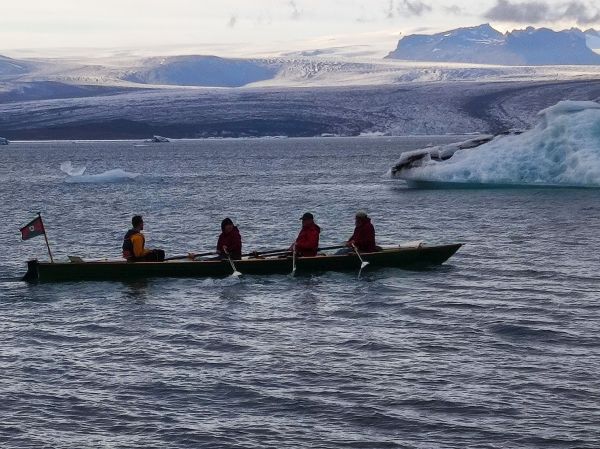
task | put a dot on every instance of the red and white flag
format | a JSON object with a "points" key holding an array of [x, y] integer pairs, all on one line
{"points": [[32, 229]]}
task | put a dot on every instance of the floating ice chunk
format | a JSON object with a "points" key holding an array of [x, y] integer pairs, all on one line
{"points": [[563, 150], [116, 175], [71, 170], [76, 175]]}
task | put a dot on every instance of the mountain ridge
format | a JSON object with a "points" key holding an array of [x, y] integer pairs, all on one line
{"points": [[483, 44]]}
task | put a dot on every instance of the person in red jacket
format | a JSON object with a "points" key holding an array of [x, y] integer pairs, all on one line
{"points": [[230, 241], [364, 234], [307, 243]]}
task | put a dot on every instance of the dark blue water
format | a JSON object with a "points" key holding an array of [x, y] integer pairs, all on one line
{"points": [[498, 348]]}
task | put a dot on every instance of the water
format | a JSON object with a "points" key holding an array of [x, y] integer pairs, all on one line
{"points": [[498, 348]]}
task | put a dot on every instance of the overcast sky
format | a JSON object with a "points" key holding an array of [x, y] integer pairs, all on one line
{"points": [[264, 24]]}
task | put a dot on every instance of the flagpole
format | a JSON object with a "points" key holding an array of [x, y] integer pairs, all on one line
{"points": [[46, 237]]}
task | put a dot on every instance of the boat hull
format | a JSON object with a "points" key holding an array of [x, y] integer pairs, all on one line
{"points": [[407, 258]]}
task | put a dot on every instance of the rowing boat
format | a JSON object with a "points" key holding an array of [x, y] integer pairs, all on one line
{"points": [[418, 257]]}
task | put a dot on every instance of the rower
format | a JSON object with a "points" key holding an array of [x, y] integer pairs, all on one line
{"points": [[230, 241], [307, 242], [364, 236], [134, 244]]}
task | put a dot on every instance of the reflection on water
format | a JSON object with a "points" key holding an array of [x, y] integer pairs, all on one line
{"points": [[137, 290]]}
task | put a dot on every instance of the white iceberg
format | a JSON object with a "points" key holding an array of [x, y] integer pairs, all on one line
{"points": [[76, 175], [158, 139], [562, 150]]}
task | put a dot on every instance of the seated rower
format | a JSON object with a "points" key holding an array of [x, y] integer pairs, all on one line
{"points": [[230, 241], [307, 242], [134, 244], [364, 236]]}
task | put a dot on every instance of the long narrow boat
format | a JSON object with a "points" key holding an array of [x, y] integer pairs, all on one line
{"points": [[408, 258]]}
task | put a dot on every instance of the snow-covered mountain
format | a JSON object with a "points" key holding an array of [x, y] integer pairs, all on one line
{"points": [[128, 96], [593, 39], [485, 45]]}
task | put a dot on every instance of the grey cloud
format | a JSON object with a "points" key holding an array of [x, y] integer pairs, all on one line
{"points": [[581, 13], [533, 12], [296, 13], [406, 7], [454, 9], [526, 12]]}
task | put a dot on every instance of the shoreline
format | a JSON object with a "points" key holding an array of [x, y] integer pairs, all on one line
{"points": [[204, 139]]}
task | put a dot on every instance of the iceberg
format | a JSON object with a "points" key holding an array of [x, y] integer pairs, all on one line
{"points": [[158, 139], [76, 175], [110, 176], [68, 168], [562, 150]]}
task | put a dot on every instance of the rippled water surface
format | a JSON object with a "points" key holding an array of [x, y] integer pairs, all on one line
{"points": [[498, 348]]}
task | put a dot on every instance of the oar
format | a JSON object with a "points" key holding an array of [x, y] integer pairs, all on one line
{"points": [[188, 256], [262, 253], [362, 262], [279, 252], [235, 273], [285, 253], [293, 260], [332, 247]]}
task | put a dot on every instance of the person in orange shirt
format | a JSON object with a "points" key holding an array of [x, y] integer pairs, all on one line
{"points": [[134, 244]]}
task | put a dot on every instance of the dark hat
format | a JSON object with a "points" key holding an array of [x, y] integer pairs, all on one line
{"points": [[225, 222], [307, 216]]}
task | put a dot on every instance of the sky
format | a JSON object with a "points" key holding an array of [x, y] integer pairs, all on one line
{"points": [[261, 26]]}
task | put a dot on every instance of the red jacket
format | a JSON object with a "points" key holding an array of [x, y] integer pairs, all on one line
{"points": [[233, 241], [307, 242], [364, 236]]}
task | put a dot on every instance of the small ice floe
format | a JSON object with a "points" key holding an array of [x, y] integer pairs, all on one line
{"points": [[76, 175], [157, 139], [562, 150]]}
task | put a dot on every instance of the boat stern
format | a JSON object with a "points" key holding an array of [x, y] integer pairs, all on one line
{"points": [[32, 274]]}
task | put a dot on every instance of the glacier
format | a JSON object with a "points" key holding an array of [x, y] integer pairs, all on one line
{"points": [[562, 150], [191, 96]]}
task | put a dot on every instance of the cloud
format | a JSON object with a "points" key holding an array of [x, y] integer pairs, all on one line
{"points": [[296, 13], [232, 22], [526, 12], [581, 13], [454, 9], [533, 12], [398, 8]]}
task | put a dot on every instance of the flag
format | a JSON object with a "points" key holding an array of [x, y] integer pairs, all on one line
{"points": [[32, 229]]}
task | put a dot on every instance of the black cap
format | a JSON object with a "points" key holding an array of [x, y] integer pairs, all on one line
{"points": [[225, 222], [307, 216]]}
